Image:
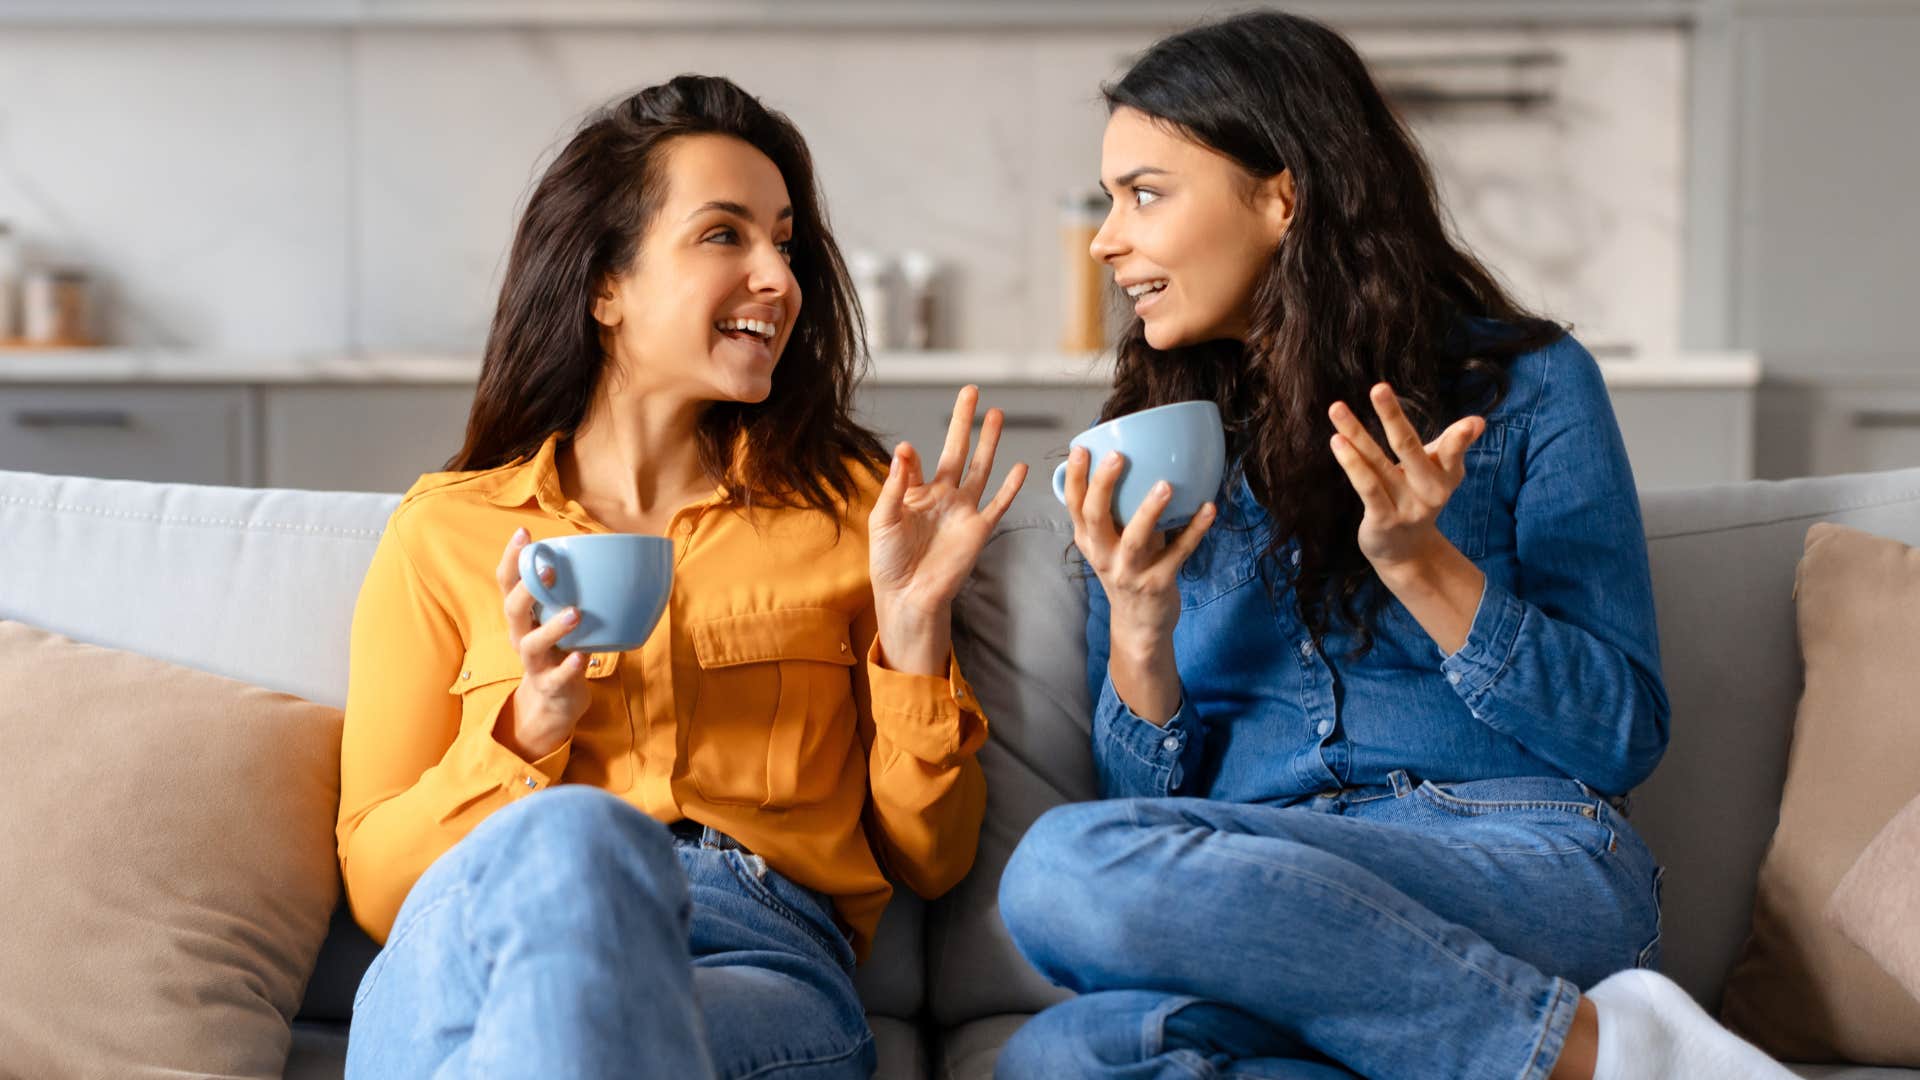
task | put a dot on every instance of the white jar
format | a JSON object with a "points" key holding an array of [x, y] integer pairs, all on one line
{"points": [[918, 271], [872, 275]]}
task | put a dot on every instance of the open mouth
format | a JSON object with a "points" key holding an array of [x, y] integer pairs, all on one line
{"points": [[1146, 288], [747, 330]]}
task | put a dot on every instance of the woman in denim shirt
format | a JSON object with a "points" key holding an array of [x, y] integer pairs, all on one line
{"points": [[1363, 730]]}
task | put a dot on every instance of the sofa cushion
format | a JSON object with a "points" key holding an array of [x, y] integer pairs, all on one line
{"points": [[1801, 991], [1877, 904], [169, 870], [1020, 632]]}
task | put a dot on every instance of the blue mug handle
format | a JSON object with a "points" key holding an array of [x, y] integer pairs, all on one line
{"points": [[1060, 483], [530, 574]]}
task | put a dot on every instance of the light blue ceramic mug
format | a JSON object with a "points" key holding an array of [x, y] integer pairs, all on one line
{"points": [[1183, 444], [619, 581]]}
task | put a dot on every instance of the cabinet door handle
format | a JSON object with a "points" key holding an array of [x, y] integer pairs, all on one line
{"points": [[72, 418], [1887, 418], [1022, 422]]}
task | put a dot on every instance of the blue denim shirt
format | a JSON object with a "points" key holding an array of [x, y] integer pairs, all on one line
{"points": [[1559, 676]]}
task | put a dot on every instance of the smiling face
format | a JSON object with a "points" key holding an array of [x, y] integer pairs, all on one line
{"points": [[1190, 231], [710, 300]]}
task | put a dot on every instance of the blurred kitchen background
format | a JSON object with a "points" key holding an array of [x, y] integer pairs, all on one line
{"points": [[258, 241]]}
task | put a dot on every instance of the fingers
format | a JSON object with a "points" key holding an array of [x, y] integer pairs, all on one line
{"points": [[981, 468], [508, 572], [1450, 449], [1189, 538], [519, 608], [1420, 469], [1348, 424], [1076, 485], [539, 648], [954, 454], [1140, 539], [1003, 500], [1363, 476], [1096, 508], [886, 508], [910, 469]]}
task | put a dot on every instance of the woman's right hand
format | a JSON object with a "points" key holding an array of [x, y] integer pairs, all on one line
{"points": [[552, 695], [1138, 568]]}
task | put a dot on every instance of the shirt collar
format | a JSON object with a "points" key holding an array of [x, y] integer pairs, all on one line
{"points": [[537, 477]]}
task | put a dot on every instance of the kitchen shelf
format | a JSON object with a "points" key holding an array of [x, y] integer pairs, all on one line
{"points": [[931, 368], [837, 14]]}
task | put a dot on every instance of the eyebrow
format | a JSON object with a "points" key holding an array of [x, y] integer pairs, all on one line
{"points": [[736, 210], [1128, 179]]}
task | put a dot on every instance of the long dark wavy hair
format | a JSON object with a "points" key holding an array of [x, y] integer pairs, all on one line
{"points": [[584, 222], [1366, 285]]}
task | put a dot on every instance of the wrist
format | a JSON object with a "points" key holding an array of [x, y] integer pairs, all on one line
{"points": [[915, 642], [1427, 572]]}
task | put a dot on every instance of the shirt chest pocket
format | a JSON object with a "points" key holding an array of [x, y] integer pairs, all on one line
{"points": [[772, 720], [1467, 518]]}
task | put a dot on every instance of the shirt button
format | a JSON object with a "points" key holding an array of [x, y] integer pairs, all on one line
{"points": [[528, 780], [1306, 649], [1453, 677], [466, 674], [1296, 558], [843, 647], [1325, 727], [1171, 742]]}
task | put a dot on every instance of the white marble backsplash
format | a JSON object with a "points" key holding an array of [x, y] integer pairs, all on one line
{"points": [[329, 189]]}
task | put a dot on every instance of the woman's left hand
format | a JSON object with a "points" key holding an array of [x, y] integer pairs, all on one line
{"points": [[1402, 499], [925, 535]]}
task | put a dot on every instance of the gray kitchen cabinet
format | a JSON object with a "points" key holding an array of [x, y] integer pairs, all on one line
{"points": [[1804, 244], [1824, 427], [1039, 421], [360, 437], [192, 435], [1686, 436]]}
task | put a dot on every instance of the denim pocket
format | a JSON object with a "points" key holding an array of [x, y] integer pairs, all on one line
{"points": [[1540, 816], [761, 882], [1650, 954]]}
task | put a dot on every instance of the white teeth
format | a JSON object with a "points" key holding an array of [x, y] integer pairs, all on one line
{"points": [[752, 326], [1145, 287]]}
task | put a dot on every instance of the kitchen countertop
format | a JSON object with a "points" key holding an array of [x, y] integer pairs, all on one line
{"points": [[158, 366]]}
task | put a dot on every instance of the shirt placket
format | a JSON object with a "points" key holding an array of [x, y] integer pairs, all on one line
{"points": [[657, 744]]}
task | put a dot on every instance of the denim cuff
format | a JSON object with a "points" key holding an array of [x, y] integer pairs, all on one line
{"points": [[1160, 747], [1474, 669]]}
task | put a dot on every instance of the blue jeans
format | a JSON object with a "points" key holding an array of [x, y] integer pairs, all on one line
{"points": [[571, 935], [1407, 930]]}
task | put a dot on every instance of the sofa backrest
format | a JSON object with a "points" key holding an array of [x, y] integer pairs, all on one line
{"points": [[260, 585], [257, 585]]}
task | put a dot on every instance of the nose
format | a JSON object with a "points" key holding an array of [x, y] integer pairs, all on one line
{"points": [[1109, 243], [769, 276]]}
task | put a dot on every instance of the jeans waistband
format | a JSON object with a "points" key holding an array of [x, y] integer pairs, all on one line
{"points": [[688, 831], [1399, 784]]}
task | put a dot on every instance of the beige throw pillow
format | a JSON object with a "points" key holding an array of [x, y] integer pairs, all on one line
{"points": [[1877, 905], [167, 869], [1800, 990]]}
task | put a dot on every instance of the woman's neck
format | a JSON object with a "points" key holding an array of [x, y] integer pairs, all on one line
{"points": [[636, 460]]}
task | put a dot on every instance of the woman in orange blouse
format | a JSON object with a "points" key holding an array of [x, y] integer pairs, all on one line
{"points": [[691, 897]]}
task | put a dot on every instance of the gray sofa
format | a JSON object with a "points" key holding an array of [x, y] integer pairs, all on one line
{"points": [[260, 585]]}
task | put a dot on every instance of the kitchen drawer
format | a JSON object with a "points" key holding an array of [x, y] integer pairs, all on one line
{"points": [[194, 435], [361, 437], [1039, 422]]}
